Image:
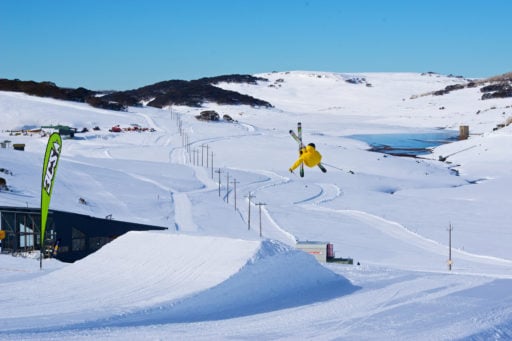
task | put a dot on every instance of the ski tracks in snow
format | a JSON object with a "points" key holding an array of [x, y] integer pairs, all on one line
{"points": [[327, 193]]}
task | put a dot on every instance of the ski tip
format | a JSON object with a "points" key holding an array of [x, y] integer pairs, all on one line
{"points": [[290, 131]]}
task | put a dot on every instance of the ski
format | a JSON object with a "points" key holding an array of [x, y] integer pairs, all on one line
{"points": [[301, 145], [322, 168], [294, 136]]}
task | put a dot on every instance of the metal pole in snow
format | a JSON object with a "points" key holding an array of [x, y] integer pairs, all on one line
{"points": [[250, 196], [206, 156], [234, 186], [219, 171], [259, 206], [212, 165], [202, 154], [227, 188], [450, 262]]}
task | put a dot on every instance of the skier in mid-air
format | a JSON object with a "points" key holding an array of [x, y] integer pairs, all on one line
{"points": [[308, 156]]}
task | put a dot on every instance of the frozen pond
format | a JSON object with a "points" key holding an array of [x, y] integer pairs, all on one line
{"points": [[407, 144]]}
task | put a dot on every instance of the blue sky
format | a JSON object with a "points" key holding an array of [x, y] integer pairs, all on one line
{"points": [[114, 44]]}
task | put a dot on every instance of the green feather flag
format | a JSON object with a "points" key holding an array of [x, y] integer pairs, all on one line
{"points": [[51, 159]]}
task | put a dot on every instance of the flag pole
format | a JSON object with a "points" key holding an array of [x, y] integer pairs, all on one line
{"points": [[51, 159]]}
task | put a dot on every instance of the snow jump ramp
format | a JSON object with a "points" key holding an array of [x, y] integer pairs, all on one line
{"points": [[155, 277]]}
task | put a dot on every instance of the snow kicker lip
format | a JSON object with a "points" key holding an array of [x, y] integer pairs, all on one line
{"points": [[276, 277], [171, 278]]}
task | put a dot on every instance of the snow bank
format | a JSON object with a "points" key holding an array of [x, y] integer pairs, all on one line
{"points": [[153, 277]]}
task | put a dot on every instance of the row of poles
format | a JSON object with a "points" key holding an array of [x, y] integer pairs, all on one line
{"points": [[250, 196], [203, 157]]}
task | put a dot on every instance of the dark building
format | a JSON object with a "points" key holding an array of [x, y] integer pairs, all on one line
{"points": [[77, 235]]}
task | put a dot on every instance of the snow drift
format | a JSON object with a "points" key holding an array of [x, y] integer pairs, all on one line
{"points": [[164, 277]]}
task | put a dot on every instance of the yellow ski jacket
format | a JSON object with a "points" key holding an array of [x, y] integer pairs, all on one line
{"points": [[310, 156]]}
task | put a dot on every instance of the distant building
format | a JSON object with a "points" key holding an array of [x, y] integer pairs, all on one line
{"points": [[78, 235], [322, 251], [316, 248]]}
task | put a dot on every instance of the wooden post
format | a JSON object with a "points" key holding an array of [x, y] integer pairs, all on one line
{"points": [[463, 132]]}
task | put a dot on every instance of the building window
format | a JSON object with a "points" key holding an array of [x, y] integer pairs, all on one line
{"points": [[78, 240], [96, 242]]}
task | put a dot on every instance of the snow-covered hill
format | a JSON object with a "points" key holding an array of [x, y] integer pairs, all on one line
{"points": [[211, 275]]}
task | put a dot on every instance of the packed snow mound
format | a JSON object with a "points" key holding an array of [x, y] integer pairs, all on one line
{"points": [[154, 277]]}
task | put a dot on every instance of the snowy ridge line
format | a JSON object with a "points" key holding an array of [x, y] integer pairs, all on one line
{"points": [[292, 238], [493, 259], [401, 231]]}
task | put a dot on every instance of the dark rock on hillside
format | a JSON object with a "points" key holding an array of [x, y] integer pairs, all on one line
{"points": [[498, 94], [190, 93], [43, 89], [454, 87], [232, 79], [228, 118], [355, 80], [440, 92], [49, 89], [492, 87], [500, 90], [208, 115], [178, 92], [495, 87], [449, 88]]}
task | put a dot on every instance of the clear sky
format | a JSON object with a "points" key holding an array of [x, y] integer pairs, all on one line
{"points": [[126, 44]]}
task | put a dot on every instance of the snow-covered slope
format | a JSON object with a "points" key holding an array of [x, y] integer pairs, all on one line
{"points": [[211, 266], [171, 278]]}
